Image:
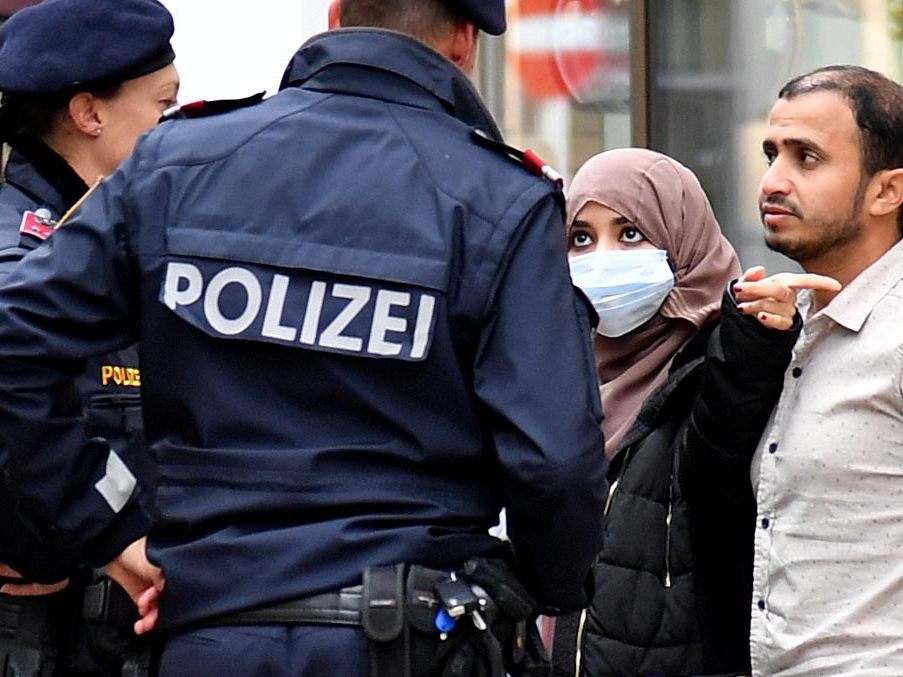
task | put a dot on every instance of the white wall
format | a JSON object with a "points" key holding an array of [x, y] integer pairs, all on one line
{"points": [[232, 48]]}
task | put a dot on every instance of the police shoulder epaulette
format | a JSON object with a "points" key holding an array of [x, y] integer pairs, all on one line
{"points": [[528, 158], [204, 108]]}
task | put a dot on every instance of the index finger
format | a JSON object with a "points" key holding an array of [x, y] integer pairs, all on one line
{"points": [[808, 281], [147, 622], [148, 609]]}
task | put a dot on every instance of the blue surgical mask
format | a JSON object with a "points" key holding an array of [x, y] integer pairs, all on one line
{"points": [[625, 287]]}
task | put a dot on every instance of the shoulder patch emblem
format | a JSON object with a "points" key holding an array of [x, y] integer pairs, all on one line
{"points": [[38, 223]]}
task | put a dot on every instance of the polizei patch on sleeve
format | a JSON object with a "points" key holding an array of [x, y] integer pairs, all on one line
{"points": [[301, 308]]}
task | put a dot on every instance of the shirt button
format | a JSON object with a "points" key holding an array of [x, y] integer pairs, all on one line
{"points": [[762, 604], [797, 372], [765, 523], [773, 447]]}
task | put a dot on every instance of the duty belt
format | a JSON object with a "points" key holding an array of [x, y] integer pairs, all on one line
{"points": [[385, 595], [423, 622], [338, 607]]}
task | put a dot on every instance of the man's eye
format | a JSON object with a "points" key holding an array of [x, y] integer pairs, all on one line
{"points": [[632, 236], [809, 158]]}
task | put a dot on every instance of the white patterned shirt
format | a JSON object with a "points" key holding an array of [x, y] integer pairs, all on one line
{"points": [[828, 476]]}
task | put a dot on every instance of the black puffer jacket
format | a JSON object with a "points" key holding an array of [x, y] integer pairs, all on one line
{"points": [[673, 582]]}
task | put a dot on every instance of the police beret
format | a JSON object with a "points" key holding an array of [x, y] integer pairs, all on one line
{"points": [[58, 44], [487, 15]]}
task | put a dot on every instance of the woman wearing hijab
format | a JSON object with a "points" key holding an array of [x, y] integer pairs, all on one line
{"points": [[81, 80], [680, 362]]}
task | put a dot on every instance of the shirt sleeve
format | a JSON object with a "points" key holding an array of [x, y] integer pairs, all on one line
{"points": [[65, 301], [535, 375]]}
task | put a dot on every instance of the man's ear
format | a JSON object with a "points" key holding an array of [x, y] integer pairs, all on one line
{"points": [[890, 192], [461, 45], [85, 114], [335, 14]]}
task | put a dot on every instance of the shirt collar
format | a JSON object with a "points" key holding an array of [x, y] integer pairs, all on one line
{"points": [[852, 306]]}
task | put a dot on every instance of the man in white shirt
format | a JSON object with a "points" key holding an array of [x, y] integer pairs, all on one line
{"points": [[828, 473]]}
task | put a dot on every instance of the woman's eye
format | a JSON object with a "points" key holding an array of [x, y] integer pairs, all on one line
{"points": [[580, 239], [632, 236]]}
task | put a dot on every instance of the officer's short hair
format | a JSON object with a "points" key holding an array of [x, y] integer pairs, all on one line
{"points": [[426, 20]]}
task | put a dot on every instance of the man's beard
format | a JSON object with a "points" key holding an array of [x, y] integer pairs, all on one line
{"points": [[820, 236]]}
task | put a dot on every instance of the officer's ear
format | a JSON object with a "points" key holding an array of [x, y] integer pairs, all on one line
{"points": [[335, 14], [85, 114], [461, 46]]}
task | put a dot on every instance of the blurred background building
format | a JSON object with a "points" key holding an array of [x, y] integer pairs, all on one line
{"points": [[692, 78]]}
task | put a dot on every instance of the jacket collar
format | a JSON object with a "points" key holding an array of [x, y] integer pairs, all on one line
{"points": [[387, 65], [44, 176]]}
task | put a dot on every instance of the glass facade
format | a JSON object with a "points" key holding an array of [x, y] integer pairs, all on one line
{"points": [[692, 78]]}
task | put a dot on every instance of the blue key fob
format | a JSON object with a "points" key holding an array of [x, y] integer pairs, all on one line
{"points": [[444, 622]]}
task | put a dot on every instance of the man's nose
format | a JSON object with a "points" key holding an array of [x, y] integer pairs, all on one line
{"points": [[775, 180]]}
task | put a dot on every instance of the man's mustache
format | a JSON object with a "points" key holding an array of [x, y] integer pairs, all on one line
{"points": [[780, 202]]}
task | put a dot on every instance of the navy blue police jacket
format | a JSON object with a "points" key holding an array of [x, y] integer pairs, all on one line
{"points": [[359, 340], [108, 387]]}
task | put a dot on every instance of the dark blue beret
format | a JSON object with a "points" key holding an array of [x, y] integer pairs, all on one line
{"points": [[487, 15], [59, 44]]}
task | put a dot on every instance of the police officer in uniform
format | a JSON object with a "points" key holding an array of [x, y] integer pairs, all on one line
{"points": [[359, 341], [81, 80]]}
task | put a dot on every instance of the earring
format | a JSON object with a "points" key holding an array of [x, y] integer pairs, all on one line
{"points": [[98, 131]]}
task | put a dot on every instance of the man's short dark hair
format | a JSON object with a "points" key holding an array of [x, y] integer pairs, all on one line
{"points": [[877, 105], [426, 20], [876, 102]]}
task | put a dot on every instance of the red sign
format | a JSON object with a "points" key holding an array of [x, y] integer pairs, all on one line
{"points": [[567, 47]]}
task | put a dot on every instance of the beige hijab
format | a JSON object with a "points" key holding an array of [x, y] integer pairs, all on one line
{"points": [[664, 200]]}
